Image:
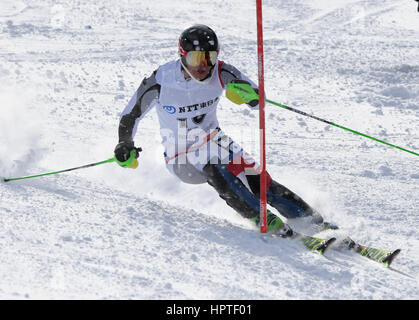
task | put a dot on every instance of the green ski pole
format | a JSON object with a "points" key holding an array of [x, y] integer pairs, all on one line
{"points": [[130, 163], [243, 93], [61, 171]]}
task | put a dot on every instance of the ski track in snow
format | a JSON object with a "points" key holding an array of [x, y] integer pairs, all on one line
{"points": [[67, 72]]}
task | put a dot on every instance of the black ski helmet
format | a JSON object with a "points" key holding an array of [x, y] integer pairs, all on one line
{"points": [[199, 37]]}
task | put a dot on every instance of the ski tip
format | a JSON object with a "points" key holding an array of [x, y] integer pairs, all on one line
{"points": [[325, 245], [390, 257]]}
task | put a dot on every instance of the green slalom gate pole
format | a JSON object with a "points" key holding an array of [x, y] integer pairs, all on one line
{"points": [[243, 93], [61, 171]]}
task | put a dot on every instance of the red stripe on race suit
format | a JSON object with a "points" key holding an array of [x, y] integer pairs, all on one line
{"points": [[205, 141]]}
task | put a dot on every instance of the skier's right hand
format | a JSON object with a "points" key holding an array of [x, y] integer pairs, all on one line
{"points": [[123, 152]]}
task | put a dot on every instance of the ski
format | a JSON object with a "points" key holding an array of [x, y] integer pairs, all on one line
{"points": [[320, 245], [283, 230], [382, 256]]}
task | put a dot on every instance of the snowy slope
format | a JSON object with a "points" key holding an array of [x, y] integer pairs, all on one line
{"points": [[68, 68]]}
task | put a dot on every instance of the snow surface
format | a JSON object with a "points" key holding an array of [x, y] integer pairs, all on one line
{"points": [[67, 69]]}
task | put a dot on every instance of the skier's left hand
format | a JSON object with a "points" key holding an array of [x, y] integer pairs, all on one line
{"points": [[252, 103]]}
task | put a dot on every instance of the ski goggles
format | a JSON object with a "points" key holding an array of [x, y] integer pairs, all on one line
{"points": [[195, 58]]}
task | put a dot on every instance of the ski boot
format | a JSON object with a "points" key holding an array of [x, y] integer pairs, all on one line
{"points": [[276, 226]]}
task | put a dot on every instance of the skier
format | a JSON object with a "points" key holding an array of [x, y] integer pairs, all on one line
{"points": [[185, 93]]}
